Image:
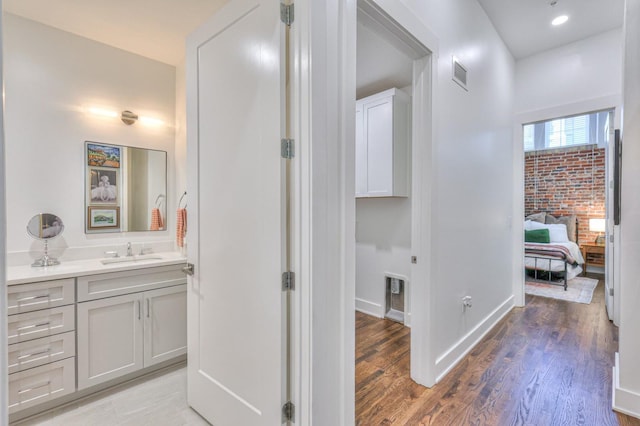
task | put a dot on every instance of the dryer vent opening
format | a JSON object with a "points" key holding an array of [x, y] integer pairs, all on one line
{"points": [[394, 309]]}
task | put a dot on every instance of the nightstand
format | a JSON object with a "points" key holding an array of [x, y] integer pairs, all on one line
{"points": [[593, 255]]}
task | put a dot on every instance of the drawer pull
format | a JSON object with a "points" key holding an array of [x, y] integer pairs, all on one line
{"points": [[26, 327], [21, 391], [21, 357], [25, 299]]}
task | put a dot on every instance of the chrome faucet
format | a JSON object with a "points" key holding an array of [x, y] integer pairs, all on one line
{"points": [[129, 251]]}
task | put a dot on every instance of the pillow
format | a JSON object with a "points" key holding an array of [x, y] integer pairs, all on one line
{"points": [[569, 221], [557, 232], [536, 217], [537, 236]]}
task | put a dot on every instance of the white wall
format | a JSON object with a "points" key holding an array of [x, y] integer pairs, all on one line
{"points": [[627, 374], [471, 178], [577, 72], [51, 77], [383, 245]]}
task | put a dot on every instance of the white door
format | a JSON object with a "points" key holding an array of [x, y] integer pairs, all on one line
{"points": [[609, 272], [109, 338], [165, 324], [235, 93]]}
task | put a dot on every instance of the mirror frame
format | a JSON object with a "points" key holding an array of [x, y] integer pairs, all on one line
{"points": [[106, 210]]}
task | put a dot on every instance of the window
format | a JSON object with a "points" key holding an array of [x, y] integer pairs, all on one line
{"points": [[583, 129]]}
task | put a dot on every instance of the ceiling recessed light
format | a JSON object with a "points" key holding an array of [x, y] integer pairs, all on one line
{"points": [[560, 20]]}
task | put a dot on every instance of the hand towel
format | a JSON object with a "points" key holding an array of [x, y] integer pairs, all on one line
{"points": [[156, 220], [181, 226]]}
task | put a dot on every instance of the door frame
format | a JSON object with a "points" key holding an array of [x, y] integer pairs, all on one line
{"points": [[595, 104], [420, 43]]}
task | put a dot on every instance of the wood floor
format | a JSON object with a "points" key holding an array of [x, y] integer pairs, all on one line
{"points": [[549, 363]]}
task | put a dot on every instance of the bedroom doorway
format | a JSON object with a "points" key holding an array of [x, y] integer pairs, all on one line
{"points": [[393, 71], [568, 207]]}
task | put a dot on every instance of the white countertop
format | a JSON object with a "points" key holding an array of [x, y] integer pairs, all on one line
{"points": [[77, 268]]}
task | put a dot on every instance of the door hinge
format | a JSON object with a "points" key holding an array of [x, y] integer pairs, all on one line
{"points": [[414, 259], [288, 281], [611, 291], [286, 14], [288, 412], [611, 238], [286, 148]]}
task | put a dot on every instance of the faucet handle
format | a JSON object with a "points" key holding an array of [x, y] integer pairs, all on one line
{"points": [[112, 253]]}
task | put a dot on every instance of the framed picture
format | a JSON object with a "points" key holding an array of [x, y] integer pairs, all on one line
{"points": [[102, 186], [100, 155], [103, 218]]}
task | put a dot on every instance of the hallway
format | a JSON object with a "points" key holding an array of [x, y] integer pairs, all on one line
{"points": [[549, 363]]}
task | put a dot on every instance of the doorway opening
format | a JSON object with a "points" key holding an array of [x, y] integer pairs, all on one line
{"points": [[392, 189], [568, 204]]}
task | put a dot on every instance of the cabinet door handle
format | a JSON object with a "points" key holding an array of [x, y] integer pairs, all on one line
{"points": [[21, 391], [138, 309], [25, 299], [148, 310], [26, 327], [21, 357]]}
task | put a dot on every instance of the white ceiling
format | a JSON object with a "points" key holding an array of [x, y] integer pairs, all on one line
{"points": [[155, 29], [525, 25]]}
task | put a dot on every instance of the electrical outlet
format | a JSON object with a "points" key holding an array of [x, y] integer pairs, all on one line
{"points": [[466, 303]]}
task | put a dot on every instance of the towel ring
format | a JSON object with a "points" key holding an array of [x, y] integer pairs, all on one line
{"points": [[180, 202], [159, 201]]}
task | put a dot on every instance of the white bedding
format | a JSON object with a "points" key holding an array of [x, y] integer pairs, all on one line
{"points": [[558, 265]]}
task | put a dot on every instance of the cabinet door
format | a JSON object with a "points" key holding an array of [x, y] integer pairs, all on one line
{"points": [[165, 324], [110, 338], [378, 133]]}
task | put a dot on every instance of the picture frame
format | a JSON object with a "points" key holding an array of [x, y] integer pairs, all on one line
{"points": [[103, 218], [102, 186], [103, 155]]}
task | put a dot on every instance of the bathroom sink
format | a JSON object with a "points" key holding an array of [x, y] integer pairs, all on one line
{"points": [[136, 258]]}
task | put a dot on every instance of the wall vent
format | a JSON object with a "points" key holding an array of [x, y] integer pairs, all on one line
{"points": [[459, 74]]}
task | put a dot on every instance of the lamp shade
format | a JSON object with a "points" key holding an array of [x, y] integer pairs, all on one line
{"points": [[596, 225]]}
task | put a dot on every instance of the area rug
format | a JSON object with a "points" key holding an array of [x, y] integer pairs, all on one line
{"points": [[579, 289]]}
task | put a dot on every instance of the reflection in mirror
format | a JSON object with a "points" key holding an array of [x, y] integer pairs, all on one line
{"points": [[44, 227], [125, 188]]}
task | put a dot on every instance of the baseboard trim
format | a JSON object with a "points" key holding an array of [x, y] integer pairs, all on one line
{"points": [[624, 401], [453, 356], [369, 308]]}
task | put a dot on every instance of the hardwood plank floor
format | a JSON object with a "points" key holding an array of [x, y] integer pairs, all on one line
{"points": [[549, 363]]}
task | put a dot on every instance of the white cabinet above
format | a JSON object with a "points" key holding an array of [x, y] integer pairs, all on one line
{"points": [[382, 145]]}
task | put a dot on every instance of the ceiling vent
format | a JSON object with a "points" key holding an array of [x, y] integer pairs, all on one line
{"points": [[459, 73]]}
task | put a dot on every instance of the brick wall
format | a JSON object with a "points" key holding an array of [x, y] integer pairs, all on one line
{"points": [[566, 181]]}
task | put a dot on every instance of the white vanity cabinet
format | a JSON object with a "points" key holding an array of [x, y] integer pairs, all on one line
{"points": [[121, 334], [382, 145], [85, 326], [41, 337]]}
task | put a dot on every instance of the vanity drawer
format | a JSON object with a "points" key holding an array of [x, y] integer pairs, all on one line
{"points": [[93, 287], [40, 384], [47, 322], [47, 294], [34, 353]]}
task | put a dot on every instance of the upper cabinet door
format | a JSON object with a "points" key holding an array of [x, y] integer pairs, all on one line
{"points": [[235, 98], [382, 145]]}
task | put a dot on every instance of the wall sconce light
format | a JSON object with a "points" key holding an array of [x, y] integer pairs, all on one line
{"points": [[599, 226], [126, 116]]}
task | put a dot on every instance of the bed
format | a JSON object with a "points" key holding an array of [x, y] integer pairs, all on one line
{"points": [[560, 258]]}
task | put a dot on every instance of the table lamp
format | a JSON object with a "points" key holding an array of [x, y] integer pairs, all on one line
{"points": [[597, 225]]}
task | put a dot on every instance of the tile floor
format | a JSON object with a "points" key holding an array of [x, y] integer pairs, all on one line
{"points": [[158, 400]]}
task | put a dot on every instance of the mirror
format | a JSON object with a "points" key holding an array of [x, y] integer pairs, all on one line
{"points": [[125, 188], [44, 227]]}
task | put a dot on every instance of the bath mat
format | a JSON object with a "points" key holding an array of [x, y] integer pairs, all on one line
{"points": [[579, 289]]}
